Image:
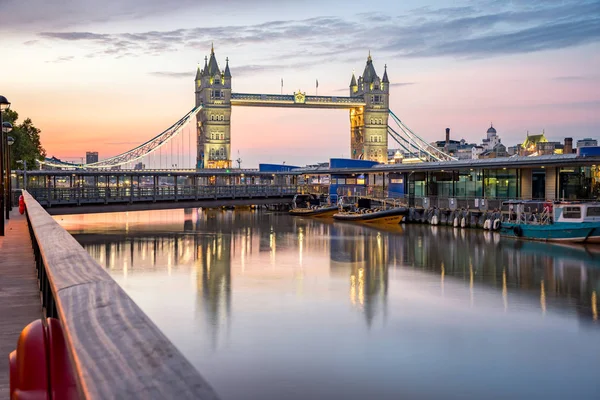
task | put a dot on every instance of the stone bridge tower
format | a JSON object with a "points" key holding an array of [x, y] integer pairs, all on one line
{"points": [[368, 124], [213, 91]]}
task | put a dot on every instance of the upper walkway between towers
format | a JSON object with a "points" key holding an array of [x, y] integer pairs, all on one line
{"points": [[299, 100]]}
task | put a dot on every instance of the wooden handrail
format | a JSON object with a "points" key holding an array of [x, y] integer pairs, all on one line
{"points": [[116, 350]]}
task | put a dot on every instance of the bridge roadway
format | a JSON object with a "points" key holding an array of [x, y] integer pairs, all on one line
{"points": [[78, 200]]}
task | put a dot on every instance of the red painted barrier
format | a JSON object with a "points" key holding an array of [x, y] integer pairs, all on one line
{"points": [[40, 367], [21, 205]]}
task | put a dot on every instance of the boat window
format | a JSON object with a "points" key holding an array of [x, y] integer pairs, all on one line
{"points": [[593, 212], [572, 212]]}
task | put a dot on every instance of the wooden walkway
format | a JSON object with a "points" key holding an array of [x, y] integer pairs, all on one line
{"points": [[19, 294]]}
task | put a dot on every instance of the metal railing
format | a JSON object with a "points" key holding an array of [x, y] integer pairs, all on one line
{"points": [[103, 326], [104, 195], [442, 202]]}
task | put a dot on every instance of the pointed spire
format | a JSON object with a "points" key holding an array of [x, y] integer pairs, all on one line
{"points": [[385, 77], [212, 48], [353, 80], [213, 67], [227, 72], [198, 73], [369, 75]]}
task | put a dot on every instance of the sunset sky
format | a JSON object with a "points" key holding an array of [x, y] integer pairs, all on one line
{"points": [[107, 76]]}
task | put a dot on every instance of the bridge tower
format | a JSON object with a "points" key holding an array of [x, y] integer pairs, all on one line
{"points": [[213, 91], [368, 124]]}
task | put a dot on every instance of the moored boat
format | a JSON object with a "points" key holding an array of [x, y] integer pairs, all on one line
{"points": [[373, 215], [570, 222], [315, 211], [310, 205]]}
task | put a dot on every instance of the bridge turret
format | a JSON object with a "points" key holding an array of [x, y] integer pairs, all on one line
{"points": [[353, 85], [214, 93], [368, 125]]}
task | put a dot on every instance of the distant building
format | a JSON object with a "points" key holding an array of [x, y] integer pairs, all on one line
{"points": [[587, 142], [492, 139], [456, 148], [491, 146], [498, 151], [476, 152], [530, 145], [514, 150], [91, 157], [139, 166]]}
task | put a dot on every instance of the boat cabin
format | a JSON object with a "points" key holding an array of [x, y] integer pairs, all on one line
{"points": [[577, 212]]}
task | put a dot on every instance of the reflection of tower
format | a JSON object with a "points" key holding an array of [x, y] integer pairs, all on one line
{"points": [[188, 219], [214, 275], [364, 252]]}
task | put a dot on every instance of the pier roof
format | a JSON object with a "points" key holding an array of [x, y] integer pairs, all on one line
{"points": [[502, 162]]}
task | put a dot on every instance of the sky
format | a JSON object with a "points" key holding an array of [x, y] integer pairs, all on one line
{"points": [[106, 77]]}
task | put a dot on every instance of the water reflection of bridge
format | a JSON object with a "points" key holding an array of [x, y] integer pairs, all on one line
{"points": [[210, 242]]}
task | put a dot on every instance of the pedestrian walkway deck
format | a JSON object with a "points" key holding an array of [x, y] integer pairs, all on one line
{"points": [[19, 294]]}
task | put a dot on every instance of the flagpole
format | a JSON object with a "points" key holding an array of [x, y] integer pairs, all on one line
{"points": [[281, 85]]}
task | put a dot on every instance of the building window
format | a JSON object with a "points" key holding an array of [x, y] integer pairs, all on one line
{"points": [[221, 118], [222, 136], [222, 151]]}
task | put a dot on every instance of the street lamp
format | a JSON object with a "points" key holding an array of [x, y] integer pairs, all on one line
{"points": [[4, 105], [9, 141]]}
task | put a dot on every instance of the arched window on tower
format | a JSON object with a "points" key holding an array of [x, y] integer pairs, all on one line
{"points": [[212, 154], [221, 118], [222, 151]]}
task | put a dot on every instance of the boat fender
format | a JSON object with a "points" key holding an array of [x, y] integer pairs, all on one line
{"points": [[455, 224], [463, 222], [434, 220], [486, 224], [518, 231], [496, 224]]}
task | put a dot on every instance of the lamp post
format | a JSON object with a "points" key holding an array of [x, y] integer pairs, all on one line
{"points": [[9, 141], [4, 105]]}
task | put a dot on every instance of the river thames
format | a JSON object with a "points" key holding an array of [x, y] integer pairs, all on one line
{"points": [[267, 306]]}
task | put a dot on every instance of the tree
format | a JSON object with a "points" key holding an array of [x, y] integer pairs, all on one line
{"points": [[27, 146]]}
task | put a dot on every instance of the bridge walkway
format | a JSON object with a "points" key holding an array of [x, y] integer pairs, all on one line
{"points": [[19, 293]]}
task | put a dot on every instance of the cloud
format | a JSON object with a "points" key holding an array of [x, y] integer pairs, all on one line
{"points": [[75, 36], [486, 29], [403, 84], [62, 59], [574, 78], [242, 70], [170, 74], [62, 14]]}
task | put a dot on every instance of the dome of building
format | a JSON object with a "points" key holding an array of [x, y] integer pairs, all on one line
{"points": [[491, 129]]}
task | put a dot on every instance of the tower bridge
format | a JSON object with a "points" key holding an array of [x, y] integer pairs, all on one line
{"points": [[367, 103]]}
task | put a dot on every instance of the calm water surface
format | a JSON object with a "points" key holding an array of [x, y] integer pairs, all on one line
{"points": [[272, 307]]}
